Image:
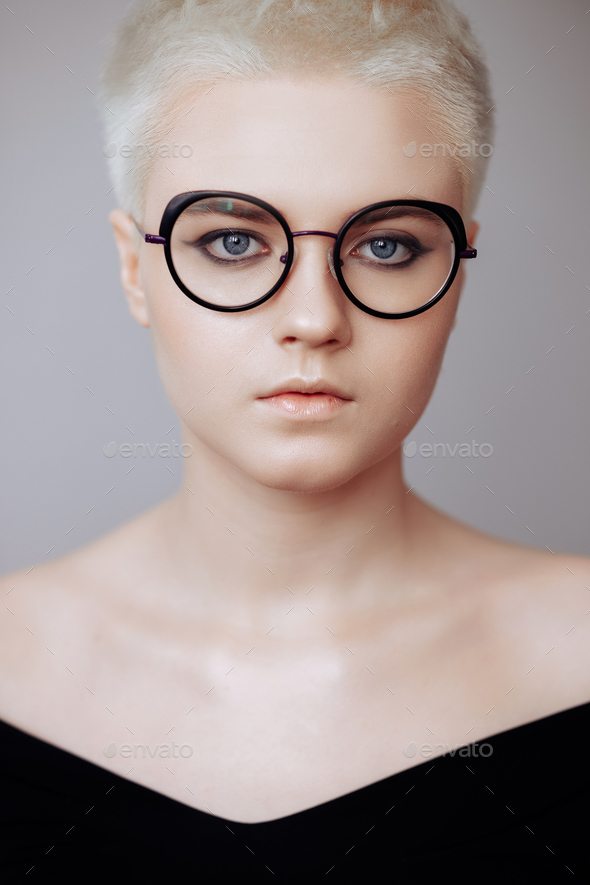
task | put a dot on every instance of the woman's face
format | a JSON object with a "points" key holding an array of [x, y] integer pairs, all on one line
{"points": [[317, 152]]}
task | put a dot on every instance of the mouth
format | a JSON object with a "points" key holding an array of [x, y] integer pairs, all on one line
{"points": [[302, 399], [298, 386]]}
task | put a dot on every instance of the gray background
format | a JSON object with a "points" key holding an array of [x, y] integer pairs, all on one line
{"points": [[78, 373]]}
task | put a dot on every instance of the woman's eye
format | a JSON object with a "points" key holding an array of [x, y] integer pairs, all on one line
{"points": [[385, 249], [234, 245]]}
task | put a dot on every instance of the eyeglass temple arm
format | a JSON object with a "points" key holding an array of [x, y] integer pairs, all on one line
{"points": [[150, 238], [470, 252]]}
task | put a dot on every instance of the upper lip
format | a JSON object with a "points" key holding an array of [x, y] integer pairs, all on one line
{"points": [[300, 385]]}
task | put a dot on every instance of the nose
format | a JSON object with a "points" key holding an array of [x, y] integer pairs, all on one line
{"points": [[316, 233], [314, 311]]}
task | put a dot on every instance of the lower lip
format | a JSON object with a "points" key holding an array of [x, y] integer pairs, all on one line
{"points": [[306, 405]]}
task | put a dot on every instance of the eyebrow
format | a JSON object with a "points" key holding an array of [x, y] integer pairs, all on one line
{"points": [[229, 209], [390, 212]]}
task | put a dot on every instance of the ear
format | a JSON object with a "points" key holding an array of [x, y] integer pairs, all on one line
{"points": [[471, 233], [126, 239]]}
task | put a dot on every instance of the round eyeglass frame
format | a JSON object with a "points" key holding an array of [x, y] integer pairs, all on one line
{"points": [[179, 203]]}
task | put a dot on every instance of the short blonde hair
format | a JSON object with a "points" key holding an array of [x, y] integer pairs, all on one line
{"points": [[163, 49]]}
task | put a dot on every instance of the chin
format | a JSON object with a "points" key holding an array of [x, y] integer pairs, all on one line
{"points": [[304, 474]]}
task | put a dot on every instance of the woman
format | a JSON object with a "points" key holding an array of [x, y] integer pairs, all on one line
{"points": [[254, 677]]}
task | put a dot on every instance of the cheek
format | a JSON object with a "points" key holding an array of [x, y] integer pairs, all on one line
{"points": [[192, 345], [209, 362], [407, 360]]}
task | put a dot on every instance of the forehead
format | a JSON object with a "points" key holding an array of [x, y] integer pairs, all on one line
{"points": [[306, 146]]}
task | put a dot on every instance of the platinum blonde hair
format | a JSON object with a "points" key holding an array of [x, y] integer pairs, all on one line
{"points": [[165, 51]]}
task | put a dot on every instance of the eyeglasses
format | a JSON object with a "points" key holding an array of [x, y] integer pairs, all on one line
{"points": [[231, 252]]}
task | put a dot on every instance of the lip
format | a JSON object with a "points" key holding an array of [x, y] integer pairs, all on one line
{"points": [[298, 398], [301, 386], [305, 405]]}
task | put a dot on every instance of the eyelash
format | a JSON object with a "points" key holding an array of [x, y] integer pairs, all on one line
{"points": [[416, 251], [218, 234]]}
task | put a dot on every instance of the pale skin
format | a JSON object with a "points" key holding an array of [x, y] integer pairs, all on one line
{"points": [[416, 627]]}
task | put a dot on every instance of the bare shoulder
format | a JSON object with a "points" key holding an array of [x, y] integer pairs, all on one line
{"points": [[61, 602], [543, 599], [536, 607], [73, 630]]}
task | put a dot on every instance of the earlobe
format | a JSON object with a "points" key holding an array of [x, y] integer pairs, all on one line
{"points": [[125, 237]]}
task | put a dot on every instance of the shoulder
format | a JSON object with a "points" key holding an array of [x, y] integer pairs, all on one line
{"points": [[543, 606], [122, 556], [527, 609], [56, 610], [501, 566], [535, 605]]}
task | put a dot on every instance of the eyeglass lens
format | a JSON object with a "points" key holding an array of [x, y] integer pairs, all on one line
{"points": [[228, 252]]}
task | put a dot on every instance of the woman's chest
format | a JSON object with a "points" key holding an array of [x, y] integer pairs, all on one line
{"points": [[262, 736]]}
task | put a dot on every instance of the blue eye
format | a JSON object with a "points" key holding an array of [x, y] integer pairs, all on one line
{"points": [[383, 248], [231, 246], [236, 244], [386, 249]]}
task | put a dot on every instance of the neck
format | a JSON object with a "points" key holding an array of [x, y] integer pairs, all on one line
{"points": [[251, 548]]}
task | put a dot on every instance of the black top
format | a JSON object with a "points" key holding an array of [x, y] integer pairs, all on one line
{"points": [[519, 813]]}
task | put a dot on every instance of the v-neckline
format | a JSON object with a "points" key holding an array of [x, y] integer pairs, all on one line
{"points": [[322, 806], [404, 773]]}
